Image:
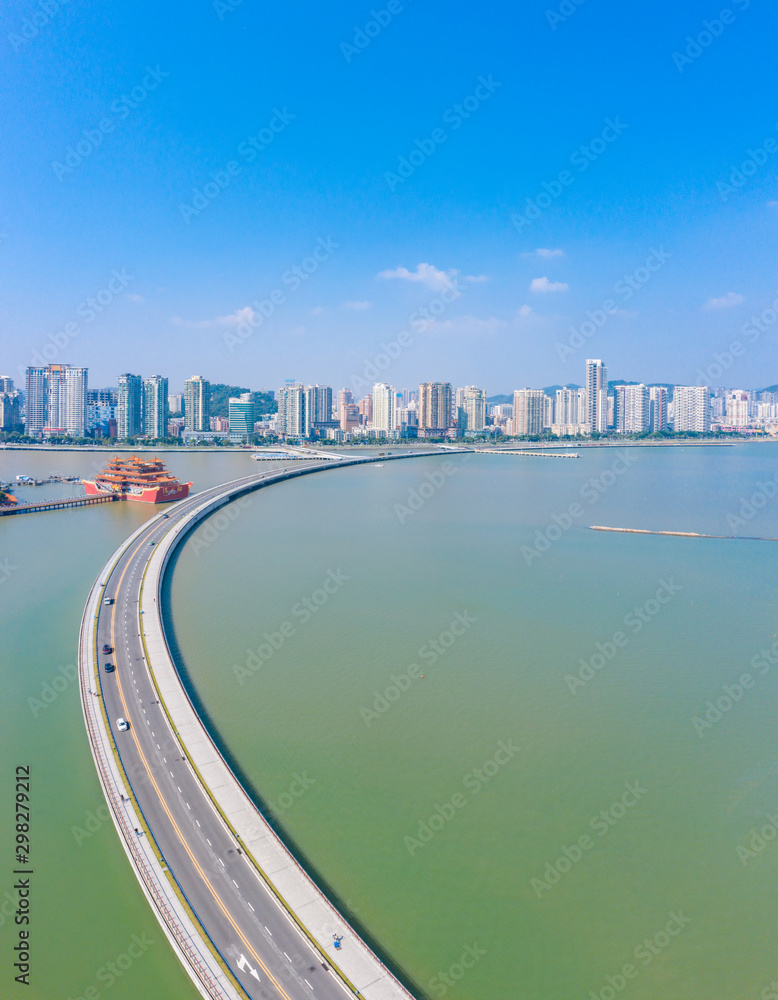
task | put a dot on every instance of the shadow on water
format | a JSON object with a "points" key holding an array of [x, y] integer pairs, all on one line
{"points": [[210, 724]]}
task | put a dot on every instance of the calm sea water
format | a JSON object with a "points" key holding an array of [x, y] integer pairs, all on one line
{"points": [[542, 823], [409, 795]]}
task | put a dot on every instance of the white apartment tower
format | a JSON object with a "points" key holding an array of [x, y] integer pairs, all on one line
{"points": [[384, 407], [596, 396], [691, 408], [528, 412], [657, 408], [474, 405], [292, 410]]}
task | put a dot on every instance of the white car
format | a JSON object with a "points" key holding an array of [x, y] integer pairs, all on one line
{"points": [[122, 725]]}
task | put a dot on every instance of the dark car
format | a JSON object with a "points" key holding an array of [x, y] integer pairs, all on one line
{"points": [[107, 648], [109, 668]]}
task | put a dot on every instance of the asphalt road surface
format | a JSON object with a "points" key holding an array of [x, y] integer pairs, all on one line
{"points": [[263, 947]]}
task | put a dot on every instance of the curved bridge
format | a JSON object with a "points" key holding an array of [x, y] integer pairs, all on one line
{"points": [[241, 913]]}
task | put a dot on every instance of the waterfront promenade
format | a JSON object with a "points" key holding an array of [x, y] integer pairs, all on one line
{"points": [[244, 917]]}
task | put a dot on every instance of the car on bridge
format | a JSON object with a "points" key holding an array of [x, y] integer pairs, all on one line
{"points": [[122, 725], [107, 648], [108, 600], [110, 667]]}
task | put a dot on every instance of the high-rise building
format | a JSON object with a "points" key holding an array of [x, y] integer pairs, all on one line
{"points": [[366, 410], [691, 408], [657, 409], [435, 400], [528, 408], [596, 396], [474, 405], [197, 404], [6, 384], [631, 410], [292, 410], [37, 399], [175, 402], [384, 408], [129, 413], [566, 407], [10, 410], [56, 400], [345, 398], [318, 405], [737, 408], [155, 406], [241, 417]]}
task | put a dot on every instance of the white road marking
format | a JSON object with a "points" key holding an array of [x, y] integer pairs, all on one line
{"points": [[308, 984], [235, 883], [252, 908], [198, 822], [289, 959], [209, 843], [178, 787], [171, 773], [268, 930]]}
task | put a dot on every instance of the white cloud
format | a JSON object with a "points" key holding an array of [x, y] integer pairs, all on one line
{"points": [[467, 326], [244, 315], [544, 285], [545, 252], [728, 301], [358, 306], [523, 311], [425, 273], [477, 277]]}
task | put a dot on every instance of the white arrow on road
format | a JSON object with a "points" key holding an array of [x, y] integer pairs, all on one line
{"points": [[244, 966]]}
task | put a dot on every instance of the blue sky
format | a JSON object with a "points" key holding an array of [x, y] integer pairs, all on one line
{"points": [[625, 150]]}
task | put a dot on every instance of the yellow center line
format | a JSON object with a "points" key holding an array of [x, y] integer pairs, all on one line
{"points": [[204, 877]]}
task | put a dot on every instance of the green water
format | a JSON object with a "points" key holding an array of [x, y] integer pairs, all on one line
{"points": [[373, 771], [370, 786]]}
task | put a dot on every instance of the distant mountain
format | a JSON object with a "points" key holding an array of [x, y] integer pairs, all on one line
{"points": [[499, 400], [550, 390]]}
